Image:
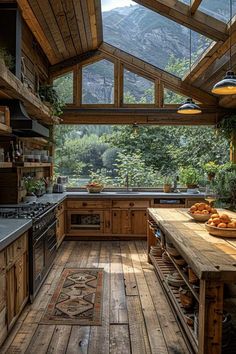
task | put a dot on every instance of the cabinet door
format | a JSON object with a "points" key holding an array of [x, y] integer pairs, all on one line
{"points": [[11, 294], [21, 282], [60, 228], [139, 222], [121, 222]]}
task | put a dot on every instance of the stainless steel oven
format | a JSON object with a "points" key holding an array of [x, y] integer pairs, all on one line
{"points": [[42, 249]]}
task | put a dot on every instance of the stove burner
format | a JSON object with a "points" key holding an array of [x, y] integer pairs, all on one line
{"points": [[26, 211]]}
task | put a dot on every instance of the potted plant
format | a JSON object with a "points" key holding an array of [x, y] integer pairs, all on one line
{"points": [[50, 97], [30, 186], [167, 184], [211, 169], [39, 187], [189, 176]]}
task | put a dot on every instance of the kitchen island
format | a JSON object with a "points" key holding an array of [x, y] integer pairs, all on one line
{"points": [[212, 262]]}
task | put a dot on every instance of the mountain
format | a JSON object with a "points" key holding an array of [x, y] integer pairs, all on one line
{"points": [[148, 36]]}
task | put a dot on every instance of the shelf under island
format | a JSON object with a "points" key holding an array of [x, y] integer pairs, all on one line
{"points": [[180, 248]]}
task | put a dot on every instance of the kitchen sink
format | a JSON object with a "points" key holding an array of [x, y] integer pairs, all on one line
{"points": [[127, 192]]}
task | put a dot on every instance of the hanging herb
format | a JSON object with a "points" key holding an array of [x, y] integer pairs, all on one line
{"points": [[227, 127], [49, 95]]}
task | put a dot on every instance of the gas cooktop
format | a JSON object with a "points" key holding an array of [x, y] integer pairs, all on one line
{"points": [[24, 211]]}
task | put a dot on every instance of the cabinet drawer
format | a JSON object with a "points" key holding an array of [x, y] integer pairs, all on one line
{"points": [[17, 248], [124, 204], [88, 204], [2, 261]]}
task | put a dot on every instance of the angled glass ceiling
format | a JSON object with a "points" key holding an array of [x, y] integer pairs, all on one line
{"points": [[151, 37], [219, 9]]}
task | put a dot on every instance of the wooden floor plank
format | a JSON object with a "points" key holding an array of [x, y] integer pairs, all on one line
{"points": [[40, 341], [119, 339], [128, 270], [118, 307], [79, 340], [155, 335], [136, 317], [138, 333], [100, 334], [60, 339]]}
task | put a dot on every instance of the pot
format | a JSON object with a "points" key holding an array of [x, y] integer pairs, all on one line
{"points": [[167, 188], [186, 297]]}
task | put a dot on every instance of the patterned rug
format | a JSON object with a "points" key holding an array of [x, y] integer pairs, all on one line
{"points": [[77, 299]]}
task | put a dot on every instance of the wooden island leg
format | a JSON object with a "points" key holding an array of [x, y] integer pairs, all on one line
{"points": [[210, 317], [151, 240]]}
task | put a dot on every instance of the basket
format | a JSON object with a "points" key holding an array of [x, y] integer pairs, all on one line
{"points": [[94, 189], [221, 232], [200, 217], [172, 250]]}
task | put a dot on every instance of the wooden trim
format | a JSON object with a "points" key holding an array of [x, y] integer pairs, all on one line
{"points": [[36, 29], [194, 6], [18, 44], [233, 149], [179, 12]]}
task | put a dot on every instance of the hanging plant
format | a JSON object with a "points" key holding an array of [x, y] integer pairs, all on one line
{"points": [[49, 95], [227, 127]]}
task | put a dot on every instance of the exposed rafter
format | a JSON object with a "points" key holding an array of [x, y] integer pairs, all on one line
{"points": [[194, 6], [179, 12], [170, 80]]}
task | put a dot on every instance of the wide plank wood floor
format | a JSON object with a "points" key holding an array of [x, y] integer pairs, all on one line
{"points": [[136, 315]]}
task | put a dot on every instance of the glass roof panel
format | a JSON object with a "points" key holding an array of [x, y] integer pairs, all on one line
{"points": [[151, 37], [219, 9]]}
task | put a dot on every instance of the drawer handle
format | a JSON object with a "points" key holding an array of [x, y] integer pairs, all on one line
{"points": [[131, 204], [84, 204]]}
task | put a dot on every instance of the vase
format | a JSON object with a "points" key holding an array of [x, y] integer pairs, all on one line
{"points": [[167, 188]]}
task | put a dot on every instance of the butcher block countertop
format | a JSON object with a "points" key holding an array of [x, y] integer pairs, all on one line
{"points": [[210, 257]]}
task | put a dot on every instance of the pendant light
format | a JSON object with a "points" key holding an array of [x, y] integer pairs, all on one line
{"points": [[189, 106], [227, 86]]}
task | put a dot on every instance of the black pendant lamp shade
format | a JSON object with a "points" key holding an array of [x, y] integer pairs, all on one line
{"points": [[189, 107], [227, 86]]}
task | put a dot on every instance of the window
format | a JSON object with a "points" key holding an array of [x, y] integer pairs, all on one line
{"points": [[64, 87], [171, 97], [218, 9], [98, 83], [137, 89], [151, 37], [145, 153]]}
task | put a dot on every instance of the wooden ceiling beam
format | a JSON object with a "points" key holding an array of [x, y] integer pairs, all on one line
{"points": [[32, 22], [147, 69], [194, 6], [214, 53], [155, 116], [179, 12]]}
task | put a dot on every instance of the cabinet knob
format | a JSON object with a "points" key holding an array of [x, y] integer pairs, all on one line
{"points": [[131, 204], [84, 204]]}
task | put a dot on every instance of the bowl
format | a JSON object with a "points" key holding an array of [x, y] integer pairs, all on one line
{"points": [[221, 232], [200, 217], [97, 189]]}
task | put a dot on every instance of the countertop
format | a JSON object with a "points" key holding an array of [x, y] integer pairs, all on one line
{"points": [[210, 257], [11, 229]]}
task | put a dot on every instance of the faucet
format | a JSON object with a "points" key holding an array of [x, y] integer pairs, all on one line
{"points": [[175, 184], [127, 181]]}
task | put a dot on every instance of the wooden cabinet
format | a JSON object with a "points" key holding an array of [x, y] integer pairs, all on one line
{"points": [[3, 303], [120, 222], [60, 229], [85, 222], [138, 222]]}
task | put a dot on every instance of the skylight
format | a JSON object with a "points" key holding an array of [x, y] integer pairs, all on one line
{"points": [[151, 37], [218, 9]]}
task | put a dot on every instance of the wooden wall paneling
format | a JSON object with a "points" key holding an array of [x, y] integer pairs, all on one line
{"points": [[80, 24], [63, 15], [98, 14], [93, 22], [18, 44], [179, 12], [86, 21], [37, 30], [46, 28]]}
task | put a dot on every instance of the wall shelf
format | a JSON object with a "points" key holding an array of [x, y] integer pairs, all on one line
{"points": [[5, 129], [5, 164], [33, 164]]}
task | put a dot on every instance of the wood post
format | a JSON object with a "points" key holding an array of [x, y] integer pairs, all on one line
{"points": [[210, 317], [233, 148]]}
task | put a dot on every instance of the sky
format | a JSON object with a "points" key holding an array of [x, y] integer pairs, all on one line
{"points": [[111, 4]]}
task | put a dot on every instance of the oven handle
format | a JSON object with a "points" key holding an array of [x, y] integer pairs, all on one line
{"points": [[49, 227]]}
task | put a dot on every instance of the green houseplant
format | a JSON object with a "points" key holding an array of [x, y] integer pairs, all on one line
{"points": [[30, 186], [50, 97], [7, 58], [211, 168], [189, 176], [167, 184]]}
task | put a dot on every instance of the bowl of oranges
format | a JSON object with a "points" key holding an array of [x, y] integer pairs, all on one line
{"points": [[221, 225], [201, 212]]}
